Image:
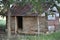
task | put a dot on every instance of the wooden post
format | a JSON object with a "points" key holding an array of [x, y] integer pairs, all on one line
{"points": [[15, 25], [38, 25], [59, 20]]}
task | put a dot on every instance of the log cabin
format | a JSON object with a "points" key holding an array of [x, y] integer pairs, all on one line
{"points": [[23, 20]]}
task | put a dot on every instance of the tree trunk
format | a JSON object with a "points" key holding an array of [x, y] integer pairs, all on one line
{"points": [[38, 25], [8, 26]]}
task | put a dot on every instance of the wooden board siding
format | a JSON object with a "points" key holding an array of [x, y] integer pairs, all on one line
{"points": [[12, 23], [30, 24]]}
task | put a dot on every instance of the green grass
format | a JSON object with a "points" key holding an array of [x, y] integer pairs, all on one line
{"points": [[53, 36], [2, 23]]}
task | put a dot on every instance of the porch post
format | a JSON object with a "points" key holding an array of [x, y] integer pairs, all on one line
{"points": [[15, 25], [38, 24], [59, 20]]}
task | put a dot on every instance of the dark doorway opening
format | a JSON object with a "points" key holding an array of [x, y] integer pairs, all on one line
{"points": [[20, 22]]}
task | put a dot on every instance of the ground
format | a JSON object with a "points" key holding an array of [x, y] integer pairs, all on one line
{"points": [[53, 36]]}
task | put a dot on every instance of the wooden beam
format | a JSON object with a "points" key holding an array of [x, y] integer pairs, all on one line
{"points": [[59, 20], [38, 25], [15, 25]]}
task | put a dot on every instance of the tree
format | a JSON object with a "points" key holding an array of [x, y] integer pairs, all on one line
{"points": [[6, 8]]}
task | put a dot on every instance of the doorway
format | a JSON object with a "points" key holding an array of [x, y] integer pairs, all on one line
{"points": [[20, 22]]}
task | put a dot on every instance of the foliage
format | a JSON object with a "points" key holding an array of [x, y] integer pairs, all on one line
{"points": [[6, 6], [3, 24], [35, 3], [53, 36], [58, 1]]}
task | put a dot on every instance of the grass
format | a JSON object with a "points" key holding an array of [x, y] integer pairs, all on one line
{"points": [[2, 24], [53, 36]]}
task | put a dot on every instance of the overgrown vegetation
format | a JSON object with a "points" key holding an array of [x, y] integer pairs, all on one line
{"points": [[3, 24], [53, 36]]}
